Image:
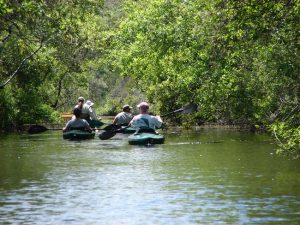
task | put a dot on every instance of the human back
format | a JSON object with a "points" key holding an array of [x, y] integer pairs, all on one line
{"points": [[144, 120], [123, 118], [76, 123], [80, 124]]}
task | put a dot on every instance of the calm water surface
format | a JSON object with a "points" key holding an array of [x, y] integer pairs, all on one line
{"points": [[197, 177]]}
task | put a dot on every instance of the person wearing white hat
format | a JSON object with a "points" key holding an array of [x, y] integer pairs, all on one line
{"points": [[89, 114], [144, 120], [123, 118]]}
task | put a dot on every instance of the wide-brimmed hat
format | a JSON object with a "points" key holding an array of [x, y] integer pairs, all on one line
{"points": [[89, 103], [126, 107]]}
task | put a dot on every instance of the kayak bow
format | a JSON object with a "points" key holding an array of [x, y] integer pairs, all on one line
{"points": [[145, 137], [78, 135]]}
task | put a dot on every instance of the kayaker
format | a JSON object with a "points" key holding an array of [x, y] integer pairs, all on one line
{"points": [[89, 114], [80, 103], [123, 118], [144, 120], [77, 123]]}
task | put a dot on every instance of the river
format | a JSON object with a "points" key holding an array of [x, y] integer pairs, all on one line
{"points": [[208, 176]]}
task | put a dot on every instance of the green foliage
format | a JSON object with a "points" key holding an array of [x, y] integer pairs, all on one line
{"points": [[239, 60], [123, 92], [44, 50], [7, 111], [288, 139]]}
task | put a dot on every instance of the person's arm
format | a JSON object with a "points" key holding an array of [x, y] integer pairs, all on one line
{"points": [[115, 121], [67, 127], [158, 121]]}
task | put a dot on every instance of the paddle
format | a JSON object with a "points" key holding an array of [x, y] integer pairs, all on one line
{"points": [[186, 109], [35, 129], [110, 133], [111, 127]]}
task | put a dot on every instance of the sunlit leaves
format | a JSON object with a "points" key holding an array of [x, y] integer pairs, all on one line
{"points": [[238, 59], [68, 32]]}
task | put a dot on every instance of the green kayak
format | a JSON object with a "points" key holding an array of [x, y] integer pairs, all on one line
{"points": [[128, 130], [78, 135], [144, 138]]}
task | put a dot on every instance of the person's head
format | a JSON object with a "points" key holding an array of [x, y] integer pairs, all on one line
{"points": [[143, 107], [81, 99], [77, 112], [89, 103], [127, 108]]}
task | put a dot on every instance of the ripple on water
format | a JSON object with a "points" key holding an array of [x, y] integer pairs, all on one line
{"points": [[183, 181]]}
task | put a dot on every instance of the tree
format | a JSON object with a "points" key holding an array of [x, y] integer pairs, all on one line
{"points": [[44, 50], [239, 60]]}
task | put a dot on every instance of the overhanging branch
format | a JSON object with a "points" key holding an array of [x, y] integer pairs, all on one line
{"points": [[21, 64]]}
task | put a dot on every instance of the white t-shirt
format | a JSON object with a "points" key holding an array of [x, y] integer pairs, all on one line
{"points": [[146, 120], [123, 118], [88, 113]]}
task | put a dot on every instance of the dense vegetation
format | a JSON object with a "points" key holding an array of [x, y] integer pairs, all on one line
{"points": [[238, 60]]}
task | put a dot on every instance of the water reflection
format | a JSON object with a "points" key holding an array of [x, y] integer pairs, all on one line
{"points": [[203, 177]]}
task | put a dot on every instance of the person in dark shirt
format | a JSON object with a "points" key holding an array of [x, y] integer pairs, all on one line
{"points": [[77, 123]]}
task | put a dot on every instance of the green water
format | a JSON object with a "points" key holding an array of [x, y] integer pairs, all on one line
{"points": [[202, 177]]}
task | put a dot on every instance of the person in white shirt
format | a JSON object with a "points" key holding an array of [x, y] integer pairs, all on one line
{"points": [[89, 114], [144, 120], [123, 118], [87, 111]]}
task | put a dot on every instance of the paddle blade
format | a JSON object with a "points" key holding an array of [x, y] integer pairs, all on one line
{"points": [[187, 109], [107, 134], [190, 108], [111, 127], [37, 129]]}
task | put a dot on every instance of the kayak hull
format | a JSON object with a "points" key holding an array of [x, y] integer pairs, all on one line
{"points": [[78, 135], [128, 130], [145, 139]]}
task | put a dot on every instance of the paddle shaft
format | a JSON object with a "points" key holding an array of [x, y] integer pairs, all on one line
{"points": [[39, 129], [62, 128], [170, 113]]}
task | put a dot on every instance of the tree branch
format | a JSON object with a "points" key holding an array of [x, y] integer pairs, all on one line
{"points": [[19, 67], [275, 135], [60, 83]]}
